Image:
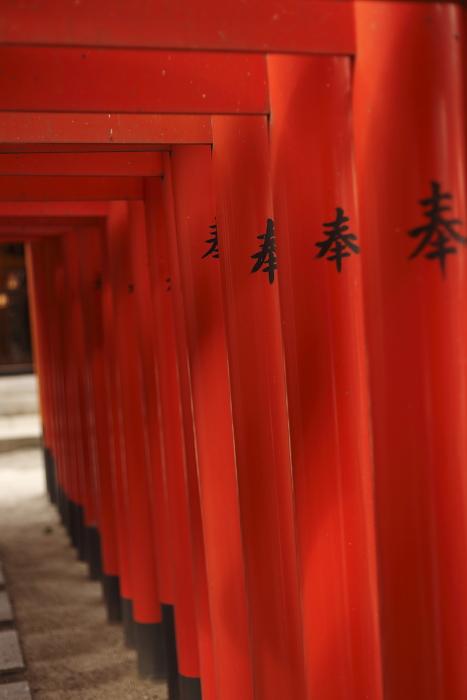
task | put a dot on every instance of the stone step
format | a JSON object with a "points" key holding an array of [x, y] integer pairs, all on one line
{"points": [[11, 658], [19, 395], [15, 691], [6, 611]]}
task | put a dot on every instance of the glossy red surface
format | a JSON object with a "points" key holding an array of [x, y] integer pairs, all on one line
{"points": [[207, 671], [90, 294], [41, 342], [116, 436], [77, 383], [142, 558], [207, 357], [410, 131], [146, 344], [327, 392], [110, 164], [175, 442], [38, 189], [36, 129], [49, 79], [254, 346], [320, 26], [51, 269], [68, 375]]}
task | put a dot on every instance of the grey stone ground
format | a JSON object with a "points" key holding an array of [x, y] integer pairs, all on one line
{"points": [[20, 424], [71, 652]]}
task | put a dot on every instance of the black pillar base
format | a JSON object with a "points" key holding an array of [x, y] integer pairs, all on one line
{"points": [[69, 523], [128, 623], [63, 508], [49, 463], [72, 522], [190, 688], [149, 646], [93, 553], [111, 586], [80, 532], [170, 649], [53, 480]]}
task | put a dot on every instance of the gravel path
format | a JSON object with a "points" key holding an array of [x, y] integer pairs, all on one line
{"points": [[71, 651]]}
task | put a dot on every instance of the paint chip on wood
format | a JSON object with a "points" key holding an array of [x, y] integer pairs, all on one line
{"points": [[11, 658], [15, 691], [6, 612]]}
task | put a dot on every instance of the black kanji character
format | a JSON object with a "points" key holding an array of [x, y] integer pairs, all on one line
{"points": [[438, 231], [338, 239], [267, 255], [213, 242]]}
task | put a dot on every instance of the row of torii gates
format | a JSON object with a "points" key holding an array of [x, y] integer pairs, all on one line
{"points": [[245, 228]]}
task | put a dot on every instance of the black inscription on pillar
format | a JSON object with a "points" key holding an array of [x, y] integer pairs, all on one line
{"points": [[339, 244], [98, 282], [438, 232], [266, 257], [213, 242], [168, 282], [131, 288]]}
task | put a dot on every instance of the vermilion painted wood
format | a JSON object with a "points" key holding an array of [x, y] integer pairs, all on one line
{"points": [[259, 25], [254, 345], [54, 209], [35, 129], [82, 164], [207, 355], [86, 458], [76, 438], [44, 225], [146, 343], [41, 276], [408, 135], [146, 607], [181, 555], [191, 561], [41, 349], [40, 148], [38, 345], [51, 79], [69, 376], [52, 269], [153, 215], [18, 189], [327, 392], [90, 268], [21, 238], [116, 436]]}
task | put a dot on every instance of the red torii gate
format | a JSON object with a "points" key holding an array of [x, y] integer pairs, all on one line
{"points": [[406, 56]]}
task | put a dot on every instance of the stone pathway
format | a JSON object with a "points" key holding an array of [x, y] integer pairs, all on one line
{"points": [[20, 424], [11, 657]]}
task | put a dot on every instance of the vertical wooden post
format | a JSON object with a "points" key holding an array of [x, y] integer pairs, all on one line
{"points": [[99, 410], [327, 392], [256, 369], [207, 355], [146, 609], [42, 358], [410, 156]]}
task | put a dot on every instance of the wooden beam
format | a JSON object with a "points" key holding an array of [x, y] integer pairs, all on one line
{"points": [[53, 79], [314, 26], [17, 189], [147, 164], [83, 128]]}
